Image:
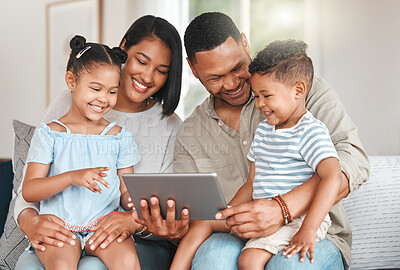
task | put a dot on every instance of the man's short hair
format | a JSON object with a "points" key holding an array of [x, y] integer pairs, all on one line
{"points": [[287, 60], [207, 31]]}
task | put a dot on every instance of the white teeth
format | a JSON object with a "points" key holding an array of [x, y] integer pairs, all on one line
{"points": [[237, 91], [139, 84], [97, 108]]}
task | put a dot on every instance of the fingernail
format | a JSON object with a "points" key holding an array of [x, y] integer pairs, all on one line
{"points": [[142, 203], [103, 245], [185, 212], [43, 249], [72, 242], [60, 244], [170, 204], [90, 242], [73, 236], [218, 215], [119, 240], [92, 247], [153, 201]]}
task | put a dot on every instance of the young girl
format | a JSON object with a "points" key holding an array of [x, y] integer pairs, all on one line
{"points": [[75, 163], [154, 60], [288, 148]]}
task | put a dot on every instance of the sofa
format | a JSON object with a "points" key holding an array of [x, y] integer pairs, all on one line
{"points": [[373, 211]]}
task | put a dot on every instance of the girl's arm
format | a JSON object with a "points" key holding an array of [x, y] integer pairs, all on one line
{"points": [[304, 240], [245, 193], [37, 186], [126, 201]]}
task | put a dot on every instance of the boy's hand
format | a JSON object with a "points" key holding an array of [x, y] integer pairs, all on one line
{"points": [[87, 178], [303, 241]]}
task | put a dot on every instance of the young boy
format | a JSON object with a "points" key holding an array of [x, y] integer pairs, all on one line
{"points": [[288, 148]]}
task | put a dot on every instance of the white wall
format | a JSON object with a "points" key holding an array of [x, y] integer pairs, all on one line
{"points": [[356, 47], [354, 44]]}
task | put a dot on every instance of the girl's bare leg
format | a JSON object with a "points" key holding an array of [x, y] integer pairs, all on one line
{"points": [[117, 255], [198, 232], [64, 258], [253, 258]]}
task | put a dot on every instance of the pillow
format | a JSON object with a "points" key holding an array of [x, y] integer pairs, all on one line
{"points": [[374, 216], [6, 177], [13, 241]]}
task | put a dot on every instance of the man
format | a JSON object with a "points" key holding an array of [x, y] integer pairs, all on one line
{"points": [[217, 137]]}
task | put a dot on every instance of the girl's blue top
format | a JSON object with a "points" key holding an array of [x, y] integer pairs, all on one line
{"points": [[66, 151]]}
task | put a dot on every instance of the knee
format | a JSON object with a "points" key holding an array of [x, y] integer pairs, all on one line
{"points": [[128, 262], [244, 261], [60, 265]]}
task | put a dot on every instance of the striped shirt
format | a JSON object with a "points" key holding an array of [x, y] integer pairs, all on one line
{"points": [[286, 158]]}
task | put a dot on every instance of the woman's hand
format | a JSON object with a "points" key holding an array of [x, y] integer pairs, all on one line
{"points": [[115, 226], [168, 228], [257, 218], [44, 229], [303, 241], [88, 177]]}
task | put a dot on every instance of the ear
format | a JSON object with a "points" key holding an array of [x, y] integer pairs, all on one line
{"points": [[245, 43], [70, 80], [300, 88], [122, 46], [192, 68]]}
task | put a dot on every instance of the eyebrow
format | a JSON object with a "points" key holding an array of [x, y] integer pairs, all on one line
{"points": [[148, 58]]}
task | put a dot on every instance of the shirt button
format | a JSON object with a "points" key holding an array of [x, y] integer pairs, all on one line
{"points": [[244, 142], [219, 123]]}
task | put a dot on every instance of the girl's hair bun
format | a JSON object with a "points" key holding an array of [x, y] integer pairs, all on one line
{"points": [[121, 54], [77, 43]]}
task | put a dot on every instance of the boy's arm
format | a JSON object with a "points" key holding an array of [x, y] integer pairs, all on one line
{"points": [[245, 193], [304, 240]]}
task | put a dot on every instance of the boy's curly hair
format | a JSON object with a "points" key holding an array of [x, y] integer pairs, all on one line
{"points": [[287, 60]]}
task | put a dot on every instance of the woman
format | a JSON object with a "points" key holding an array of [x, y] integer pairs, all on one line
{"points": [[149, 92]]}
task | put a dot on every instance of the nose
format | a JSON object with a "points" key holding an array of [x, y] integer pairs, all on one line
{"points": [[102, 96], [231, 82], [147, 75]]}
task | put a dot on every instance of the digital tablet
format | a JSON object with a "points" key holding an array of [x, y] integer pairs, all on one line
{"points": [[199, 192]]}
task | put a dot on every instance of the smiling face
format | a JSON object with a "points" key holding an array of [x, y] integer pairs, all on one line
{"points": [[94, 93], [282, 105], [145, 71], [224, 72]]}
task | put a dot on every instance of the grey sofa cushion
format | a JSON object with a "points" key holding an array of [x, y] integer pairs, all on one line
{"points": [[374, 216], [13, 241]]}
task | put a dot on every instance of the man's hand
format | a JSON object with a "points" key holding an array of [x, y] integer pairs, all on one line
{"points": [[169, 228], [257, 218], [114, 226], [44, 229]]}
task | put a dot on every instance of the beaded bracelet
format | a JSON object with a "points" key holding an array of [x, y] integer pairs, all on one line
{"points": [[287, 217]]}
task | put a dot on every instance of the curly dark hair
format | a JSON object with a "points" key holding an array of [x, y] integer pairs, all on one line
{"points": [[207, 31], [84, 55], [287, 60]]}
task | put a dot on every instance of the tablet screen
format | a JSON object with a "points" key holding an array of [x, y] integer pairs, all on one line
{"points": [[199, 192]]}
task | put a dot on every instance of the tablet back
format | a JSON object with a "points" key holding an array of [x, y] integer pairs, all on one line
{"points": [[199, 192]]}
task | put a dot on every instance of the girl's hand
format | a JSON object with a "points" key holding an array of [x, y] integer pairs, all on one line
{"points": [[303, 241], [87, 178], [130, 205]]}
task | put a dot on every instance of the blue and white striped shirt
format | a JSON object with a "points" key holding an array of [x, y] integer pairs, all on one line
{"points": [[286, 158]]}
